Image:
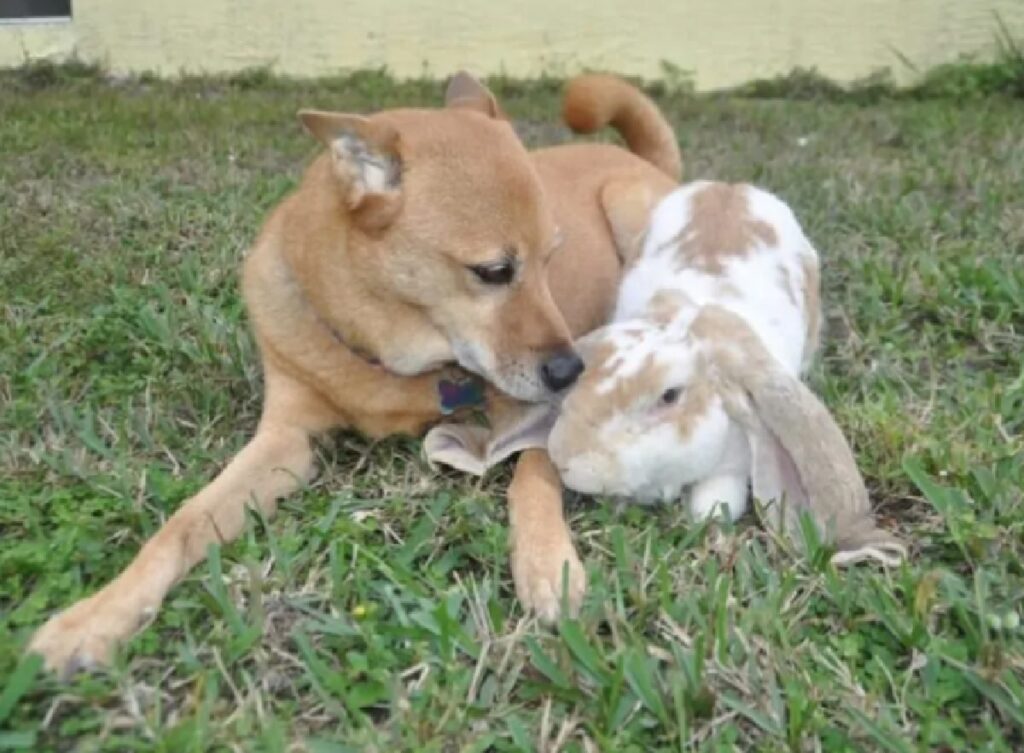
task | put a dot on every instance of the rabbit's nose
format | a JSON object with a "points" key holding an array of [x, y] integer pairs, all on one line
{"points": [[561, 370]]}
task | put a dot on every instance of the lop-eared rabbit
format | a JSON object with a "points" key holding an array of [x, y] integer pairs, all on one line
{"points": [[694, 389]]}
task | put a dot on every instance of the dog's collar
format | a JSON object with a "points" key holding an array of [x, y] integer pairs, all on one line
{"points": [[455, 389], [459, 390]]}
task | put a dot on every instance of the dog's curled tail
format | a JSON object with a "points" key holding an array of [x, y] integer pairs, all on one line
{"points": [[595, 100]]}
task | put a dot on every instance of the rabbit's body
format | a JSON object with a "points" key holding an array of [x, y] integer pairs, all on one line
{"points": [[695, 384], [736, 246]]}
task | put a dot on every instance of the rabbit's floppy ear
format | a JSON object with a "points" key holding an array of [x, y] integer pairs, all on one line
{"points": [[774, 477], [588, 346], [800, 458]]}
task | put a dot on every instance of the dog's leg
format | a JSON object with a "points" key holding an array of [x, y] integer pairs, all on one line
{"points": [[542, 546], [276, 462]]}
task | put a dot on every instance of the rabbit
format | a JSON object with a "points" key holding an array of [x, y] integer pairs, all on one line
{"points": [[695, 389]]}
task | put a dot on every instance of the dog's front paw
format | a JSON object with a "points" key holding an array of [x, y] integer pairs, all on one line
{"points": [[540, 567], [82, 637]]}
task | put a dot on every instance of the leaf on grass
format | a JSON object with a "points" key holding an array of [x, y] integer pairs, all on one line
{"points": [[545, 665], [945, 499], [583, 652], [216, 588], [1000, 697], [520, 737], [21, 740], [888, 739], [322, 745], [763, 721], [640, 677], [19, 683]]}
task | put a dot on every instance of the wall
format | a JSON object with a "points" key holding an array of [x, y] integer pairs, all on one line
{"points": [[723, 42]]}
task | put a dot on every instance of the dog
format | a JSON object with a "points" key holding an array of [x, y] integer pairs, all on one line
{"points": [[420, 238]]}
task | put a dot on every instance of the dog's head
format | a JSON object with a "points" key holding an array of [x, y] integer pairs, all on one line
{"points": [[448, 216]]}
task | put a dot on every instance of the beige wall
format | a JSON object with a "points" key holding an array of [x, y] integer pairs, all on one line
{"points": [[723, 42]]}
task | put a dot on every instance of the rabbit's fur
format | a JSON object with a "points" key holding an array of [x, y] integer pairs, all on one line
{"points": [[694, 388]]}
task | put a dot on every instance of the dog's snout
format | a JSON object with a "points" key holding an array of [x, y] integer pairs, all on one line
{"points": [[560, 370]]}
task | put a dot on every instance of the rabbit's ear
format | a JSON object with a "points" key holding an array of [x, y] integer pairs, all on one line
{"points": [[774, 476], [589, 346], [799, 454]]}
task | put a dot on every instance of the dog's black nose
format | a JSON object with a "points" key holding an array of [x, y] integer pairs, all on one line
{"points": [[561, 370]]}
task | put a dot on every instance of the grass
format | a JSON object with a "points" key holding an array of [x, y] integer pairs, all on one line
{"points": [[376, 612]]}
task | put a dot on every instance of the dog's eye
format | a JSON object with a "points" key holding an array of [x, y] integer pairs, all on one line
{"points": [[498, 273], [670, 396]]}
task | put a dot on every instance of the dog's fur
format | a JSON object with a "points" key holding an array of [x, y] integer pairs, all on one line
{"points": [[359, 290]]}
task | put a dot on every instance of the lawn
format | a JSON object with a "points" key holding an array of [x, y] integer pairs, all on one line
{"points": [[376, 611]]}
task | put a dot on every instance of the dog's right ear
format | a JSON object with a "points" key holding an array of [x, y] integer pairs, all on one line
{"points": [[365, 153], [467, 93]]}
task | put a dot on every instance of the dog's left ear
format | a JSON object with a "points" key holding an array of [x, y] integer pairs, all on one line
{"points": [[467, 93], [367, 163]]}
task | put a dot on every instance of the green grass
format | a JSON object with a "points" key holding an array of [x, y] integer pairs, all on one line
{"points": [[376, 612]]}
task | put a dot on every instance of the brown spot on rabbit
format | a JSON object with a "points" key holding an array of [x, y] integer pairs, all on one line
{"points": [[617, 392], [721, 227], [625, 390], [665, 306], [696, 400]]}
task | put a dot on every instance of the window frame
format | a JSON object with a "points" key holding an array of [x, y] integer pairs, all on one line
{"points": [[39, 20]]}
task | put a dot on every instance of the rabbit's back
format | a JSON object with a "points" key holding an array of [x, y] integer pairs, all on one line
{"points": [[736, 246]]}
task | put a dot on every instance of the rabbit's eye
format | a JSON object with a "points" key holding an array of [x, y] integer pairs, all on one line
{"points": [[670, 396]]}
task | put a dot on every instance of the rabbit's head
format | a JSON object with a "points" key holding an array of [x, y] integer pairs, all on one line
{"points": [[645, 418], [651, 414]]}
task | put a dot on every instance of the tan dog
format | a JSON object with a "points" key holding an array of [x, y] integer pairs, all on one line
{"points": [[419, 238]]}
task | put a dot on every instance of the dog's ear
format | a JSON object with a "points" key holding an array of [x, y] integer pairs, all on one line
{"points": [[466, 92], [367, 162], [628, 204]]}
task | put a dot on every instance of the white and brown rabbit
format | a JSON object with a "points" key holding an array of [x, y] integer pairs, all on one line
{"points": [[694, 388]]}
